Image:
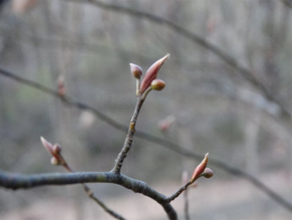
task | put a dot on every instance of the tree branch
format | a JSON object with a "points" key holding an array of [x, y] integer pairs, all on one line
{"points": [[21, 181], [287, 3], [162, 142], [58, 159]]}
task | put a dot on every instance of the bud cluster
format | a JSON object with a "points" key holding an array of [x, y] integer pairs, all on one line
{"points": [[55, 151], [202, 170], [149, 81]]}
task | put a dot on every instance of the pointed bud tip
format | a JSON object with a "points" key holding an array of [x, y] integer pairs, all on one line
{"points": [[200, 168], [42, 139], [166, 56], [206, 157], [45, 143]]}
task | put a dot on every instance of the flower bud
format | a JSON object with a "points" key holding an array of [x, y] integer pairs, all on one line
{"points": [[53, 149], [208, 173], [151, 73], [200, 168], [55, 161], [165, 124], [157, 84], [136, 70], [57, 149], [61, 85]]}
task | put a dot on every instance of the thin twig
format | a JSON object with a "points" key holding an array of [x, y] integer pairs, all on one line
{"points": [[162, 142], [91, 195], [101, 204], [129, 139], [179, 191]]}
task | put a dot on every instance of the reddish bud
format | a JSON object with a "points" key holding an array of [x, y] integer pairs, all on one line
{"points": [[136, 70], [163, 126], [57, 149], [208, 173], [200, 168], [54, 150], [165, 123], [151, 73], [157, 84], [61, 85]]}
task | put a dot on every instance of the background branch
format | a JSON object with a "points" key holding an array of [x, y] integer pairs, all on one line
{"points": [[245, 73], [288, 3]]}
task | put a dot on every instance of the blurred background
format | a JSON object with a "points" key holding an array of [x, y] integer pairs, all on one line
{"points": [[207, 104]]}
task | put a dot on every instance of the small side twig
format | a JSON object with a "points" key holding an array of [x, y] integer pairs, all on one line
{"points": [[100, 203], [183, 188], [200, 170], [58, 159]]}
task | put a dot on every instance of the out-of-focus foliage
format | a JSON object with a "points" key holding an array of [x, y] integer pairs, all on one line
{"points": [[216, 110]]}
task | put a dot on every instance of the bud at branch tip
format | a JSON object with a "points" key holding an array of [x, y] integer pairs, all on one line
{"points": [[200, 168], [136, 70], [151, 73]]}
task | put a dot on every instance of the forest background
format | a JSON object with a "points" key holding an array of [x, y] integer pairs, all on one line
{"points": [[228, 89]]}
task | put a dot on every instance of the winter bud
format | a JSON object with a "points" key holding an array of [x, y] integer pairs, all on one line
{"points": [[151, 73], [165, 124], [208, 173], [53, 149], [157, 84], [61, 85], [55, 161], [136, 70], [200, 168], [57, 149]]}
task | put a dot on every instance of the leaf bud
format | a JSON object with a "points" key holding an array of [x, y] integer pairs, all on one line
{"points": [[157, 84], [200, 168], [55, 161], [136, 70], [208, 173], [61, 85], [57, 149], [151, 73], [165, 124]]}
